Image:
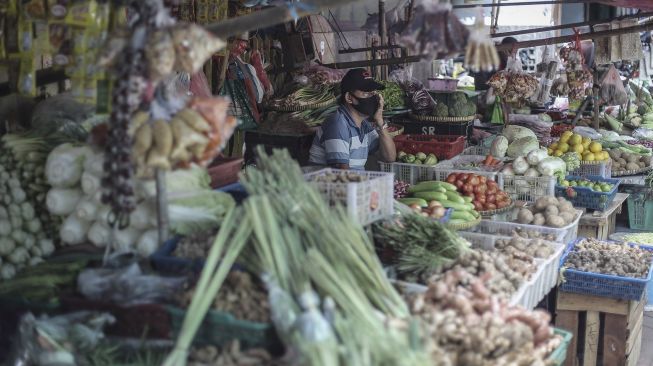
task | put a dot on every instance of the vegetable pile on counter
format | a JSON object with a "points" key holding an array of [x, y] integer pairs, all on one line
{"points": [[419, 158], [474, 328], [74, 172], [195, 134], [447, 195], [459, 105], [484, 193], [411, 237], [346, 176], [514, 141], [548, 211], [195, 246], [231, 355], [400, 189], [43, 283], [535, 164], [240, 295], [591, 255], [572, 142], [623, 161], [305, 96], [393, 96], [536, 248]]}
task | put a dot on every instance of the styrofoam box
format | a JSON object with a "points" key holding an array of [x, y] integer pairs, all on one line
{"points": [[367, 201]]}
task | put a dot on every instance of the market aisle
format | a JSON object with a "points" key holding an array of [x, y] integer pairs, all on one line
{"points": [[646, 358]]}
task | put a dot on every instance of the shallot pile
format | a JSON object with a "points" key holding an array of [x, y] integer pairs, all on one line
{"points": [[591, 255], [468, 326], [401, 189]]}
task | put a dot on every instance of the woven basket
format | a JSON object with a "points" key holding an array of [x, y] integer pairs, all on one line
{"points": [[441, 119], [300, 108], [463, 226], [499, 210]]}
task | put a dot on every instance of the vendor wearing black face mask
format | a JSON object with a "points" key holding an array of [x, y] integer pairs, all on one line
{"points": [[356, 129]]}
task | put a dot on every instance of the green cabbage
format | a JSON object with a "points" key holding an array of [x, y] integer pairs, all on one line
{"points": [[522, 146]]}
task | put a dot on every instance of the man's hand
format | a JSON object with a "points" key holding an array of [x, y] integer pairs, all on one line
{"points": [[378, 116]]}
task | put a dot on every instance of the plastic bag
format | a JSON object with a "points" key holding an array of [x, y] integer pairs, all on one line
{"points": [[587, 132], [127, 285], [497, 112], [612, 88], [643, 134], [54, 341]]}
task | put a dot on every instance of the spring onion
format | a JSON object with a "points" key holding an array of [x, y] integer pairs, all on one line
{"points": [[62, 201]]}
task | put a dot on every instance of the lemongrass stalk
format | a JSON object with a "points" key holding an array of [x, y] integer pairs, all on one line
{"points": [[209, 284]]}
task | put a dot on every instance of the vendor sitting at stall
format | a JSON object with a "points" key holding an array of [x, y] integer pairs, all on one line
{"points": [[356, 129]]}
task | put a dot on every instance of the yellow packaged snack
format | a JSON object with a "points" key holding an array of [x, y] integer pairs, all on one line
{"points": [[25, 35], [61, 44], [32, 9]]}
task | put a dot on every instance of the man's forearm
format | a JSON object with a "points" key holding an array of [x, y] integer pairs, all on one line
{"points": [[388, 149]]}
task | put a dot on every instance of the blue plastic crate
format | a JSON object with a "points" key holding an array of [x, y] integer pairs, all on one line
{"points": [[597, 284], [587, 197], [164, 261]]}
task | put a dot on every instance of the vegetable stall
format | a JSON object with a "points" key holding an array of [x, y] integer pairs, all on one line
{"points": [[157, 206]]}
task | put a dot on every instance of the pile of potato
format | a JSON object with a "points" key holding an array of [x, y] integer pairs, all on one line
{"points": [[548, 211], [623, 161]]}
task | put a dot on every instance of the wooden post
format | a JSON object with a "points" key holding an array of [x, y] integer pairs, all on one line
{"points": [[163, 219], [383, 35]]}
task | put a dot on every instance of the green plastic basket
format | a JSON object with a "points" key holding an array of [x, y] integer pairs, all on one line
{"points": [[640, 212], [219, 328], [559, 355]]}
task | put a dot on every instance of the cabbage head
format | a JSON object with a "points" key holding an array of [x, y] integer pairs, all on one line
{"points": [[522, 146]]}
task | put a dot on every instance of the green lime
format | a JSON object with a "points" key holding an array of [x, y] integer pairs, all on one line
{"points": [[597, 187], [565, 183], [573, 183]]}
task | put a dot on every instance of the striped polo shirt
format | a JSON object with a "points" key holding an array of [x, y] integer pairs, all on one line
{"points": [[340, 141]]}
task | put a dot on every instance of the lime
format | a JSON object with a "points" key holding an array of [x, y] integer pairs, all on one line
{"points": [[565, 183], [597, 187], [573, 183]]}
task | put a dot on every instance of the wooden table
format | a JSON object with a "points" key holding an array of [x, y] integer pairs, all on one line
{"points": [[600, 224]]}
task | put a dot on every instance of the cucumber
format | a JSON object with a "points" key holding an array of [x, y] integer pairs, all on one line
{"points": [[462, 215], [426, 187], [457, 205], [455, 197], [467, 199], [413, 201], [432, 186], [457, 221], [430, 196], [475, 213]]}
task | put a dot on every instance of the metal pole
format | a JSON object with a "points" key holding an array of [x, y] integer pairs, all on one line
{"points": [[551, 2], [589, 35], [567, 26], [271, 16], [383, 35]]}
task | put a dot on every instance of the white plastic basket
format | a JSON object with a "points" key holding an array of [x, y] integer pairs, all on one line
{"points": [[603, 169], [409, 173], [366, 201], [476, 150], [455, 165], [528, 189], [540, 283], [560, 235]]}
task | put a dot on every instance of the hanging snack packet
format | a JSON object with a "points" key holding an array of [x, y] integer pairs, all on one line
{"points": [[27, 76], [25, 36], [193, 46], [61, 44], [32, 9]]}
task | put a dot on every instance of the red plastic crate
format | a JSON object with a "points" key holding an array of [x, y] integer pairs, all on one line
{"points": [[444, 147], [224, 171]]}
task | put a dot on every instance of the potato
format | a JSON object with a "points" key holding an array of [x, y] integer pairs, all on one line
{"points": [[541, 203], [568, 217], [642, 164], [538, 219], [555, 221], [632, 166], [615, 153], [622, 161], [551, 210], [567, 207], [632, 158], [525, 216], [646, 160]]}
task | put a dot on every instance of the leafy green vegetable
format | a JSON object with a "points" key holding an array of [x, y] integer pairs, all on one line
{"points": [[393, 95]]}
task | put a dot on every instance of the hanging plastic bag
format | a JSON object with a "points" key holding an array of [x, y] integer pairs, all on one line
{"points": [[612, 88], [497, 112]]}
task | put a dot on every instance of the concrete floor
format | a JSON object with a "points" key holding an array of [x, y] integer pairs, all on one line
{"points": [[646, 357]]}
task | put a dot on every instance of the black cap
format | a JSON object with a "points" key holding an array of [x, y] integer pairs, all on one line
{"points": [[359, 79]]}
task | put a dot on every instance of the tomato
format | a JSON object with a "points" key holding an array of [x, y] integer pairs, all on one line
{"points": [[451, 178], [478, 206], [490, 206], [492, 190], [482, 179], [481, 188], [491, 198], [473, 180]]}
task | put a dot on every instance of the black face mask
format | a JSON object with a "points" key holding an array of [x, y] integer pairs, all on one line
{"points": [[367, 106]]}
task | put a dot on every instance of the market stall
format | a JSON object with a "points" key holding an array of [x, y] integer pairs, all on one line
{"points": [[161, 211]]}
